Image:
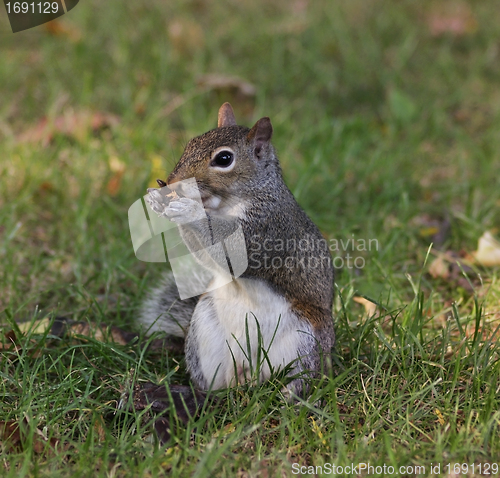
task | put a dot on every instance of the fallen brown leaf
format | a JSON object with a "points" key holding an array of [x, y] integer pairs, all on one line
{"points": [[370, 307], [63, 28], [101, 333], [46, 186], [14, 437], [10, 344], [100, 429], [232, 89], [451, 267], [455, 18], [117, 167], [35, 327], [223, 82], [9, 340], [10, 435], [439, 268], [74, 124], [488, 251], [63, 327], [186, 37]]}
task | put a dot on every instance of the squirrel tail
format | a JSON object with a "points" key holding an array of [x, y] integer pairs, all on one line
{"points": [[164, 311]]}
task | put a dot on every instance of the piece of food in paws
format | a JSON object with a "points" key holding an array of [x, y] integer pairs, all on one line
{"points": [[173, 196], [158, 197]]}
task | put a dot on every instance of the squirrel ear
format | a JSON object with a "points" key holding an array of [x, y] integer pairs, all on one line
{"points": [[260, 133], [226, 116]]}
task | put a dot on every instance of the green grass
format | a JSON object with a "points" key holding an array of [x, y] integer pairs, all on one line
{"points": [[381, 127]]}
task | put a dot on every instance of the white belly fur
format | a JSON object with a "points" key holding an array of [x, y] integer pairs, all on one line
{"points": [[221, 317]]}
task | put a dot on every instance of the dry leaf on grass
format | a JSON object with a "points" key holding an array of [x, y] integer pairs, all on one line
{"points": [[100, 429], [223, 82], [73, 124], [451, 267], [14, 437], [488, 251], [117, 167], [186, 37], [35, 327], [439, 268], [231, 88], [10, 344], [10, 435], [453, 18], [63, 327], [8, 340], [64, 29], [370, 307]]}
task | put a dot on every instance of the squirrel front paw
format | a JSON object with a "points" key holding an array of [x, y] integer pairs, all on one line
{"points": [[157, 201], [184, 210], [177, 209]]}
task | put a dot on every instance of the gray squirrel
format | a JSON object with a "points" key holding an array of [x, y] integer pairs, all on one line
{"points": [[282, 301]]}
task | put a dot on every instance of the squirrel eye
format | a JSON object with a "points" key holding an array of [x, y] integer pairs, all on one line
{"points": [[223, 159]]}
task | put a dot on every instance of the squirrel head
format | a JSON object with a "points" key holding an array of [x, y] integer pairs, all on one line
{"points": [[229, 163]]}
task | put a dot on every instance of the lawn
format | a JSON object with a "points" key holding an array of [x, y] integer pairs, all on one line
{"points": [[386, 120]]}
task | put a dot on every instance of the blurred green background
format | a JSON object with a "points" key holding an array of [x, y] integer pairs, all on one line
{"points": [[384, 112]]}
